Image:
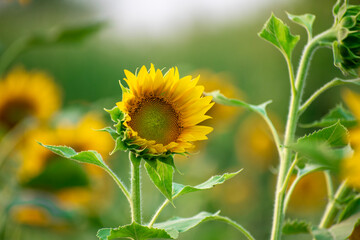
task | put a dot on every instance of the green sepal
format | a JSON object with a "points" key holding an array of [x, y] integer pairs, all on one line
{"points": [[339, 113], [119, 145], [278, 33], [90, 156], [161, 174], [179, 189], [305, 20], [115, 114], [296, 227], [136, 232], [123, 88], [111, 131]]}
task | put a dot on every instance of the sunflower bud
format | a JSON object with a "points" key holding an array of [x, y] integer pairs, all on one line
{"points": [[346, 48]]}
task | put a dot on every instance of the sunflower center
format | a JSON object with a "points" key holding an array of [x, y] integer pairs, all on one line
{"points": [[155, 119], [15, 111]]}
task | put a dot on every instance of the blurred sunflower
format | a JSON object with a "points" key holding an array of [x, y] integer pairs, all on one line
{"points": [[162, 112], [254, 143], [221, 115], [27, 93], [73, 186], [309, 194], [350, 169]]}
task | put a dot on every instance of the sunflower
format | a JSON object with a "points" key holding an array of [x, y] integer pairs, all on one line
{"points": [[73, 185], [162, 112], [350, 168], [24, 94]]}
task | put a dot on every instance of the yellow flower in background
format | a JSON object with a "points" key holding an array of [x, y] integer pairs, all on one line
{"points": [[221, 115], [309, 194], [350, 168], [254, 144], [27, 93], [162, 112], [72, 184], [31, 215]]}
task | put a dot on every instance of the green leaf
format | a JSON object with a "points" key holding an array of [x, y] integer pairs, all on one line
{"points": [[296, 227], [64, 34], [339, 113], [221, 99], [277, 33], [136, 232], [185, 224], [166, 230], [305, 20], [90, 156], [352, 207], [179, 189], [325, 148], [338, 231], [161, 174], [334, 135]]}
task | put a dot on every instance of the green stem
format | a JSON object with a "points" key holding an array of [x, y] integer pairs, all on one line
{"points": [[291, 75], [331, 209], [333, 83], [156, 215], [292, 119], [329, 185], [120, 184], [135, 188], [236, 225]]}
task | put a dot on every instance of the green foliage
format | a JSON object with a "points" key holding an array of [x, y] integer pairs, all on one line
{"points": [[305, 20], [161, 174], [185, 224], [179, 189], [352, 207], [167, 230], [338, 231], [296, 227], [334, 136], [339, 113], [277, 33], [324, 148], [90, 156], [221, 99], [134, 231]]}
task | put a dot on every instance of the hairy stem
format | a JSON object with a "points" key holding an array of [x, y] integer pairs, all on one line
{"points": [[120, 184], [291, 124], [135, 188]]}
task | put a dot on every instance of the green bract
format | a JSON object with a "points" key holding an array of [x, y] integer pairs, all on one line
{"points": [[346, 48]]}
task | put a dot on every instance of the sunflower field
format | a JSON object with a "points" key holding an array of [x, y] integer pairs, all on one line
{"points": [[189, 120]]}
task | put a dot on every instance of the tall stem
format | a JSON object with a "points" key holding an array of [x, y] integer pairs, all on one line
{"points": [[292, 120], [135, 188]]}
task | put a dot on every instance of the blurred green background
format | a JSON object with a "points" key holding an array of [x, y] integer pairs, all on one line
{"points": [[88, 73]]}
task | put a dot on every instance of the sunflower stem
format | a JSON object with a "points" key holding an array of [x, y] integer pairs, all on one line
{"points": [[11, 53], [135, 188], [292, 120]]}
